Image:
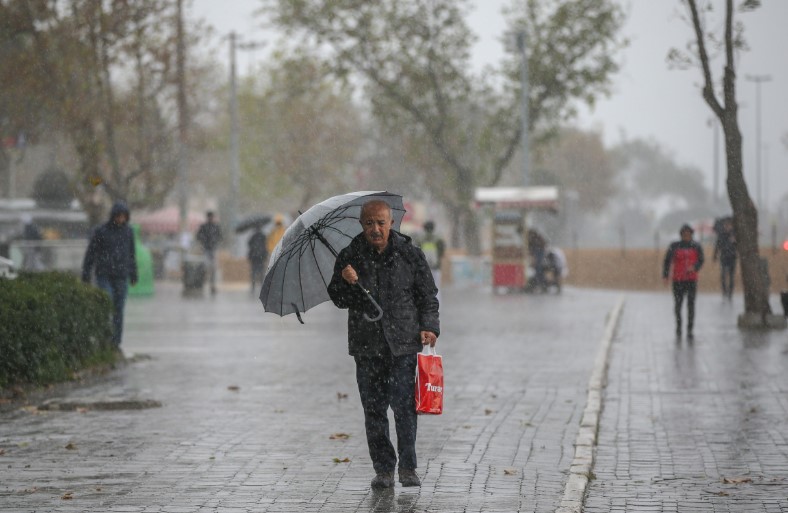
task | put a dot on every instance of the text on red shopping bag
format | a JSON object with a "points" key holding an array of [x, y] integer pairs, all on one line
{"points": [[429, 384]]}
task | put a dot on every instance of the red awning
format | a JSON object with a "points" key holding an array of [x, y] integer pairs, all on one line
{"points": [[166, 221]]}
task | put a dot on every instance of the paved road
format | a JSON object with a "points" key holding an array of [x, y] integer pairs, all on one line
{"points": [[700, 427], [249, 404], [517, 368]]}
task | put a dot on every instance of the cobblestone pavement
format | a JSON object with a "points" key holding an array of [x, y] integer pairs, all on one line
{"points": [[261, 414], [692, 427]]}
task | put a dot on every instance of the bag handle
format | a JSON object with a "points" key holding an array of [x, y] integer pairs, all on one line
{"points": [[429, 350]]}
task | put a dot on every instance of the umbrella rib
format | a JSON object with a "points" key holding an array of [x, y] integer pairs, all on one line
{"points": [[319, 270]]}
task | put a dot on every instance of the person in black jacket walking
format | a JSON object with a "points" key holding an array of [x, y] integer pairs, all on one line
{"points": [[209, 235], [111, 253], [397, 275], [257, 254], [685, 257], [725, 250]]}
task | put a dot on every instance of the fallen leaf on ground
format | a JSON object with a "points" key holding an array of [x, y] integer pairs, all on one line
{"points": [[341, 396], [488, 411], [339, 436], [71, 446], [509, 471], [337, 460], [736, 480], [2, 452], [234, 388], [98, 488], [67, 496], [82, 410]]}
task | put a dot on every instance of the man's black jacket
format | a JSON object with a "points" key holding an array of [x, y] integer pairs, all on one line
{"points": [[401, 281], [111, 250]]}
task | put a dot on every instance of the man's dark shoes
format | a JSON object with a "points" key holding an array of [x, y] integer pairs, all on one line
{"points": [[409, 478], [383, 480]]}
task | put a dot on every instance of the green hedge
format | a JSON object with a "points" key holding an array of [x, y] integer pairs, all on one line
{"points": [[51, 326]]}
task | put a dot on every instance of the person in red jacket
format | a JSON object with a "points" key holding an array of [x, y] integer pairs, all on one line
{"points": [[685, 257]]}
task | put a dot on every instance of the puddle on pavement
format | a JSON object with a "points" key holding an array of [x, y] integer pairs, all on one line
{"points": [[127, 404]]}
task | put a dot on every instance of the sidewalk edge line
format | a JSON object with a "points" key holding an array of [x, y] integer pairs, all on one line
{"points": [[583, 461]]}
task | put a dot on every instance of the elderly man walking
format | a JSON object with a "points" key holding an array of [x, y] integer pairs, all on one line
{"points": [[398, 277]]}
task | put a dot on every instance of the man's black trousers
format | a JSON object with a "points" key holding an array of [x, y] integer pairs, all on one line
{"points": [[383, 382], [681, 289]]}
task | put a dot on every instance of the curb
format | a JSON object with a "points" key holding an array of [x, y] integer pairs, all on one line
{"points": [[581, 468]]}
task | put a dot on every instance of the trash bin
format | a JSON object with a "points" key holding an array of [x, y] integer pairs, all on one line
{"points": [[194, 272], [142, 254]]}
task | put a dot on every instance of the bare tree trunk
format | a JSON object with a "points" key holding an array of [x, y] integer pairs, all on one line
{"points": [[745, 222], [756, 295]]}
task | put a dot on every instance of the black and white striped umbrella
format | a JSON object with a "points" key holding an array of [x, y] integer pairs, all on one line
{"points": [[302, 262]]}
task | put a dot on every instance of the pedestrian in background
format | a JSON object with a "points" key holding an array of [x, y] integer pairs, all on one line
{"points": [[685, 258], [32, 258], [209, 236], [397, 275], [537, 248], [111, 254], [725, 251], [257, 254], [276, 232], [433, 247]]}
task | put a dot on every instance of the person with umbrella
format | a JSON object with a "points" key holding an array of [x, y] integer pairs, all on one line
{"points": [[397, 275]]}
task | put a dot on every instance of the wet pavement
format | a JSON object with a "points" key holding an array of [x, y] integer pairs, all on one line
{"points": [[692, 427], [243, 411]]}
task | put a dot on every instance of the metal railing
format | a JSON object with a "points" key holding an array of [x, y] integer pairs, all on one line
{"points": [[48, 255]]}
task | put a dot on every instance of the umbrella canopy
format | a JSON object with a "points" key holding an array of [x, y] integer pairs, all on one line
{"points": [[302, 263], [251, 222]]}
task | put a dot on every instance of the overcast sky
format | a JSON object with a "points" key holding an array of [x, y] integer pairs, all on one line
{"points": [[649, 100]]}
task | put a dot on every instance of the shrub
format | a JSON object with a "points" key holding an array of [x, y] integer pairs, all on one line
{"points": [[51, 326]]}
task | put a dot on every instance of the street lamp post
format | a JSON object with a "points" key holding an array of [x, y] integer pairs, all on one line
{"points": [[521, 46], [758, 79], [235, 130], [714, 124]]}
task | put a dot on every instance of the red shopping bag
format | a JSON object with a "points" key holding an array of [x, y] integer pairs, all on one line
{"points": [[429, 382]]}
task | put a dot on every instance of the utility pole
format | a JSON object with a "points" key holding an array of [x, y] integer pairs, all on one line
{"points": [[235, 158], [758, 79], [183, 126]]}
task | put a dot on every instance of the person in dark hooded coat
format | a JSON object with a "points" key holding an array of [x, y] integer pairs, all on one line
{"points": [[110, 254], [398, 277]]}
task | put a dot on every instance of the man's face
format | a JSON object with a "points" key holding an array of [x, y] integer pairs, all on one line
{"points": [[376, 222], [686, 235], [121, 219]]}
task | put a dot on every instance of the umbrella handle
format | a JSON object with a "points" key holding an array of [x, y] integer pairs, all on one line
{"points": [[374, 303]]}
